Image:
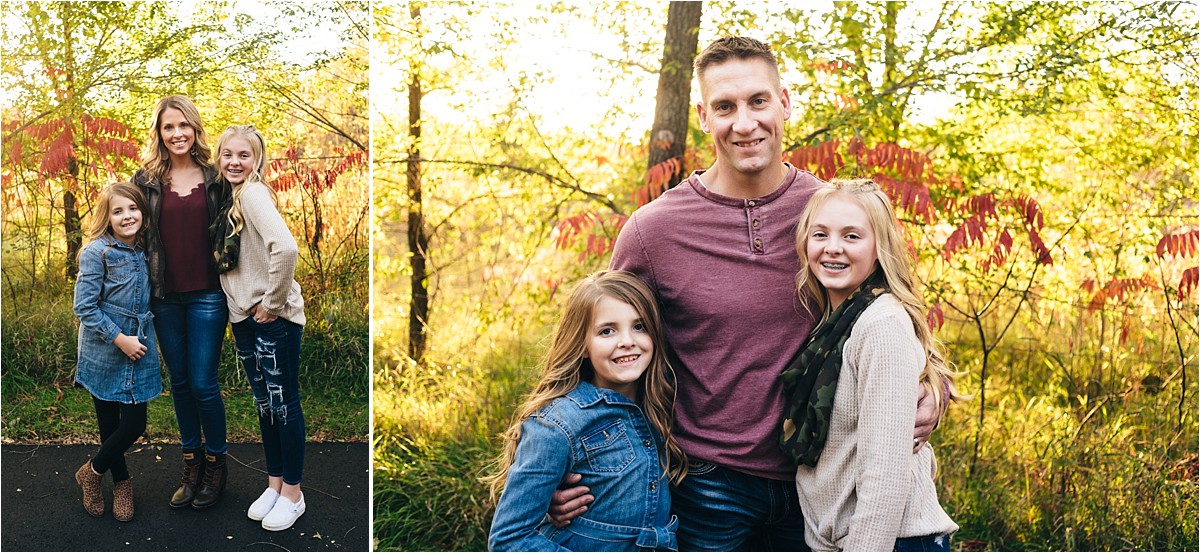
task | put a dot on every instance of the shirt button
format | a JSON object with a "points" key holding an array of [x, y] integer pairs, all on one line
{"points": [[756, 223], [751, 203], [757, 243], [653, 485], [648, 444]]}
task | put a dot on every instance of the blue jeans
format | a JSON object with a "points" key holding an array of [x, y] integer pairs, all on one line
{"points": [[936, 542], [721, 509], [270, 354], [190, 328]]}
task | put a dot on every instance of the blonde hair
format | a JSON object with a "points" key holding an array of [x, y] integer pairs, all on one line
{"points": [[892, 251], [258, 172], [156, 160], [100, 222], [566, 364]]}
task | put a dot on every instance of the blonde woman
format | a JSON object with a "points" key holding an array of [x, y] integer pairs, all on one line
{"points": [[183, 199]]}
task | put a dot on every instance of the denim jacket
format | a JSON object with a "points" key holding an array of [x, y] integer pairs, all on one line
{"points": [[112, 296], [605, 437]]}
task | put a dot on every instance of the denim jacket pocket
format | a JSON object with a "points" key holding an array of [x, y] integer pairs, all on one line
{"points": [[118, 267], [609, 448]]}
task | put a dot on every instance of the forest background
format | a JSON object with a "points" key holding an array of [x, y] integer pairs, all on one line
{"points": [[1043, 157], [80, 82]]}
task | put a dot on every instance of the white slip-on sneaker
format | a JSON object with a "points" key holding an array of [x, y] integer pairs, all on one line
{"points": [[262, 506], [283, 515]]}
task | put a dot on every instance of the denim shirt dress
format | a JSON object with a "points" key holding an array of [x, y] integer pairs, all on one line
{"points": [[112, 296], [606, 438]]}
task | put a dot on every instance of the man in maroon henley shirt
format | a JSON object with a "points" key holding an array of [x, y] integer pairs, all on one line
{"points": [[719, 251]]}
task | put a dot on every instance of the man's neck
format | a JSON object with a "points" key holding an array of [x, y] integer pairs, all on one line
{"points": [[736, 185]]}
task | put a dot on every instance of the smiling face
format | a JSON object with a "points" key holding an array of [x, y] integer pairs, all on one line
{"points": [[744, 109], [124, 218], [236, 159], [841, 247], [176, 132], [618, 346]]}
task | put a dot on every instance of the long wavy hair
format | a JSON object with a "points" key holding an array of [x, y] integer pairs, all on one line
{"points": [[566, 364], [100, 224], [258, 173], [896, 261], [156, 160]]}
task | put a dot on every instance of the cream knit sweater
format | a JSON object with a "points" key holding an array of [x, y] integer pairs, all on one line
{"points": [[266, 266], [868, 487]]}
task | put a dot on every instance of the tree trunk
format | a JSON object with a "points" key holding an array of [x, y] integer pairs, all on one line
{"points": [[72, 228], [418, 240], [668, 136]]}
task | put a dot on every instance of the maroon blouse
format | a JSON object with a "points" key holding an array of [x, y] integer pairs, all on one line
{"points": [[183, 226]]}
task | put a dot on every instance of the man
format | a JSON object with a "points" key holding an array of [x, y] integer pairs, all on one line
{"points": [[719, 252]]}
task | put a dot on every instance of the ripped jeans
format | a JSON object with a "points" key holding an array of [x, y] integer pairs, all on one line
{"points": [[270, 354]]}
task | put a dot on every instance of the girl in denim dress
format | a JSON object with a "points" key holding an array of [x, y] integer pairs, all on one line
{"points": [[603, 409], [118, 356]]}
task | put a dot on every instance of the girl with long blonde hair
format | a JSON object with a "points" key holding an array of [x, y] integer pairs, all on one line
{"points": [[603, 409], [850, 391], [266, 310]]}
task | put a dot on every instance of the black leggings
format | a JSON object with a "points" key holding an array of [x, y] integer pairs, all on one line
{"points": [[121, 424]]}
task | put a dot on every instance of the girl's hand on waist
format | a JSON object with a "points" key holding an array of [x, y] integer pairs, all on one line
{"points": [[130, 346], [260, 314]]}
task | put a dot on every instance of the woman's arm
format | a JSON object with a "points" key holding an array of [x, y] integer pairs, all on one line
{"points": [[542, 459], [888, 364]]}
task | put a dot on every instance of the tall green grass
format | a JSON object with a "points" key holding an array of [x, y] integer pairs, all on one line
{"points": [[1059, 469], [40, 403], [435, 436]]}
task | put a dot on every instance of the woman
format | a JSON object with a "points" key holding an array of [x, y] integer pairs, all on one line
{"points": [[184, 199]]}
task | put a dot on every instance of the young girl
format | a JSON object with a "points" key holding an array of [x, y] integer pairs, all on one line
{"points": [[603, 409], [850, 393], [267, 312], [118, 356]]}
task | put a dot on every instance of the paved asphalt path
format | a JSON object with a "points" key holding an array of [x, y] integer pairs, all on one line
{"points": [[43, 506]]}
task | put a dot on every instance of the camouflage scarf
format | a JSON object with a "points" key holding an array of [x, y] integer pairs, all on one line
{"points": [[810, 379], [225, 248]]}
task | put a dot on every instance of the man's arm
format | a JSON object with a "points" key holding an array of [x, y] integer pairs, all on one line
{"points": [[929, 415], [569, 502]]}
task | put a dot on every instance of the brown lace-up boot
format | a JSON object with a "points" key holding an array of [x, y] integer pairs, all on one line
{"points": [[193, 469], [213, 484], [123, 500], [93, 490]]}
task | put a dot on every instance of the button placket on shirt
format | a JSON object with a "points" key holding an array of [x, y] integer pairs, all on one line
{"points": [[652, 466], [754, 226]]}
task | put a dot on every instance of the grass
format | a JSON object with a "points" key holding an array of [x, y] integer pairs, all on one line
{"points": [[40, 403], [65, 415], [435, 435], [1057, 469], [427, 496]]}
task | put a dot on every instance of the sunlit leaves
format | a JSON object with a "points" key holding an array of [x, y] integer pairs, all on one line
{"points": [[1181, 244], [658, 180]]}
